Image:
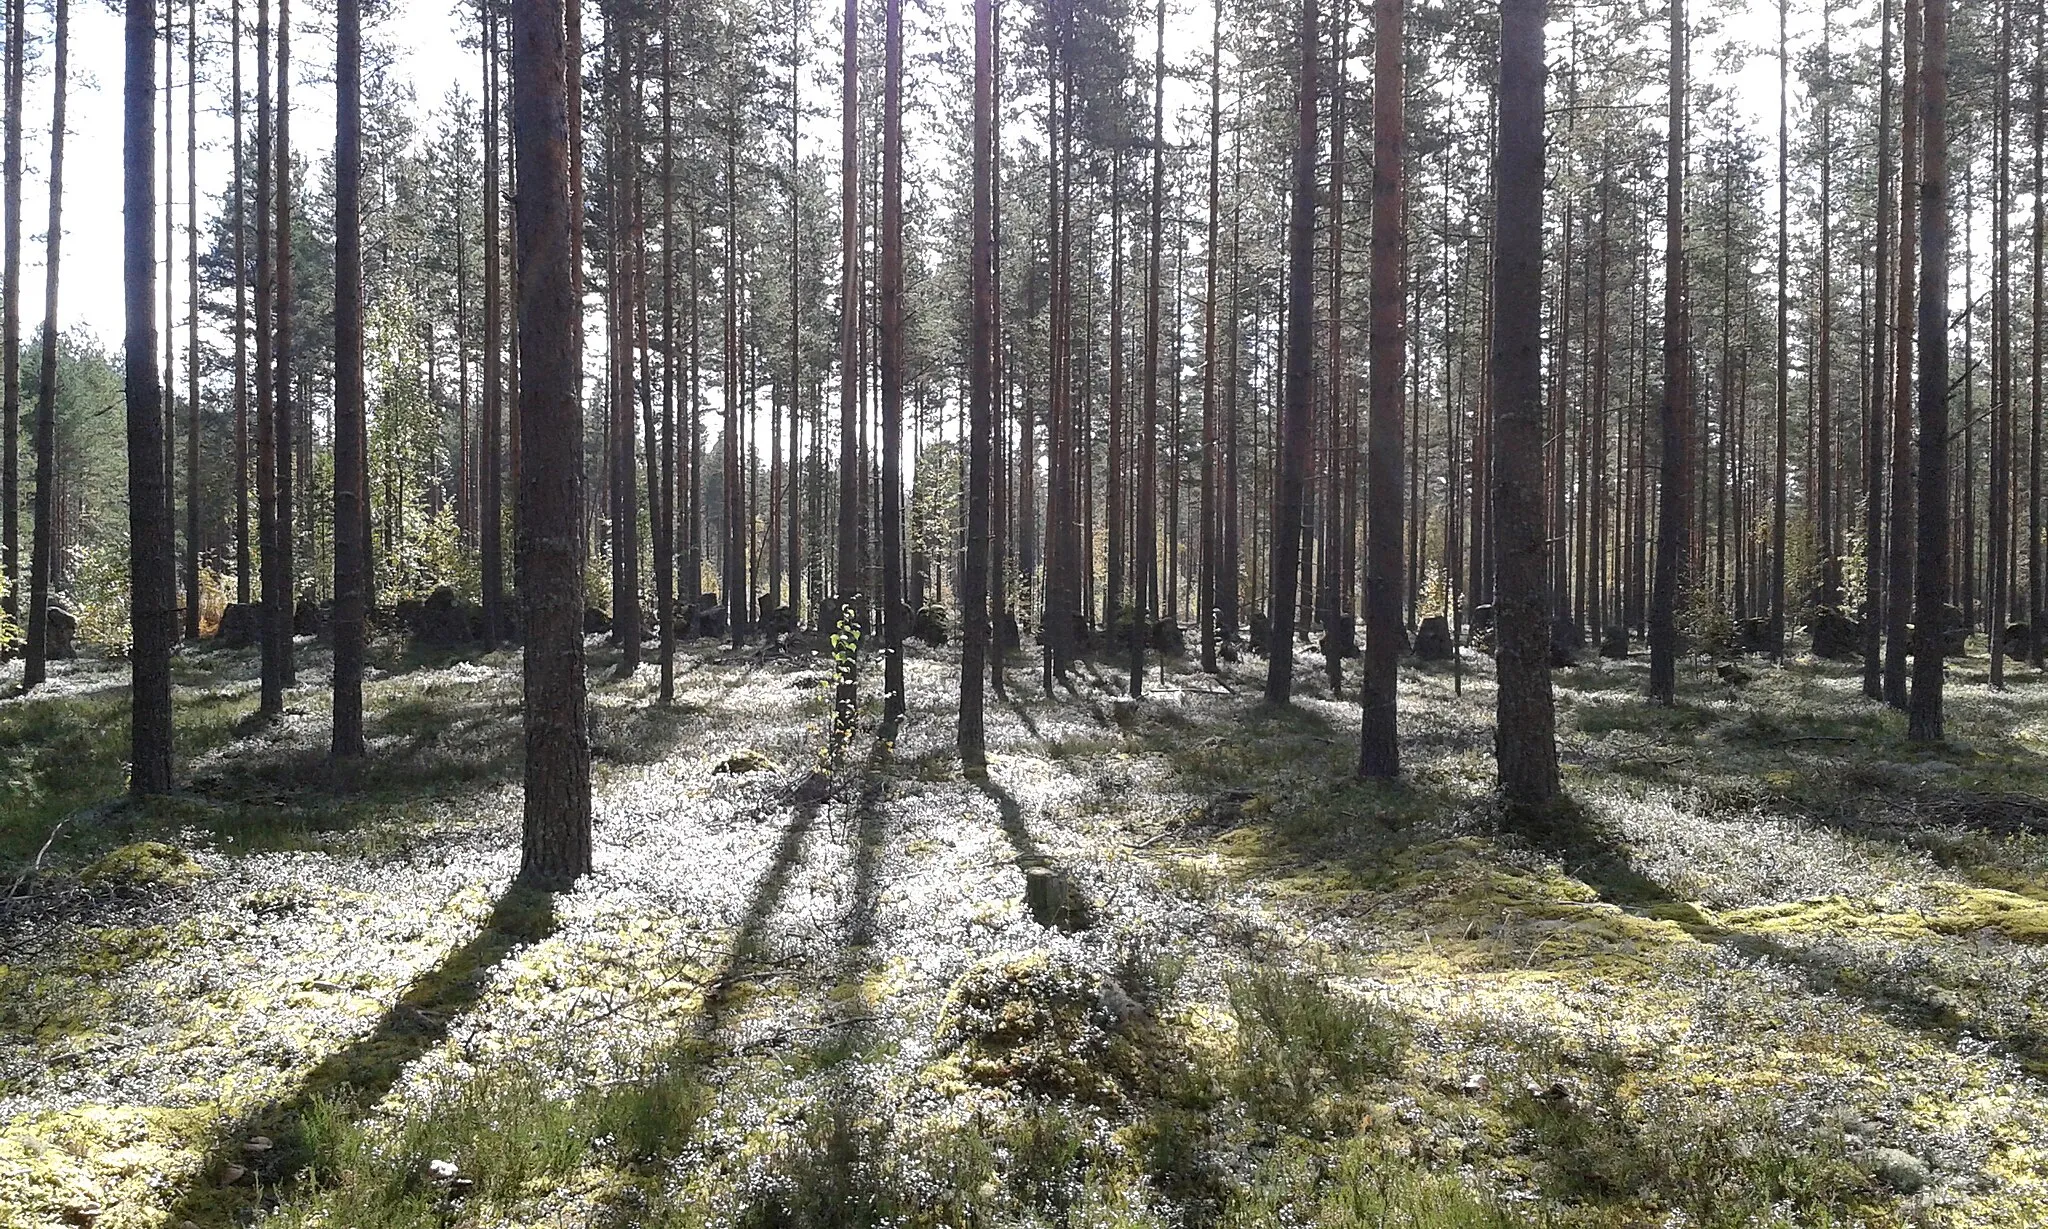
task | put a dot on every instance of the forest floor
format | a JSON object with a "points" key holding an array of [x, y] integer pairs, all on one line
{"points": [[1779, 966]]}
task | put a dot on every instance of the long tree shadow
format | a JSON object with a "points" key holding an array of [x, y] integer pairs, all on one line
{"points": [[1014, 827], [762, 902], [353, 1079], [662, 1096], [1592, 853]]}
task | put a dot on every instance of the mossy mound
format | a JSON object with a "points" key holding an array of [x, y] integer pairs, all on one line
{"points": [[99, 1164], [142, 864], [1951, 909], [1045, 1023], [741, 763]]}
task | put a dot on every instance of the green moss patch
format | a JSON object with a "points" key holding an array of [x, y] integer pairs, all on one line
{"points": [[142, 864], [1042, 1022]]}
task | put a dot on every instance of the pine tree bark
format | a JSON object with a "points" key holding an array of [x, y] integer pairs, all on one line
{"points": [[271, 686], [1876, 452], [1674, 508], [1212, 547], [351, 474], [490, 483], [1329, 600], [981, 361], [238, 220], [625, 462], [1145, 556], [41, 548], [1930, 579], [1899, 533], [1290, 479], [1379, 753], [556, 837], [1780, 498], [1525, 743], [10, 310], [892, 365], [844, 607], [192, 493], [665, 523], [151, 568], [2000, 554], [2037, 635], [733, 559], [278, 601], [1824, 358]]}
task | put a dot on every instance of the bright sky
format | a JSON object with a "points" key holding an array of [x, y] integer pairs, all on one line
{"points": [[424, 32]]}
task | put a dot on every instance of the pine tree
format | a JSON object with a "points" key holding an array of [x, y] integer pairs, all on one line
{"points": [[1291, 479], [152, 582], [1525, 743], [351, 476], [892, 366], [42, 545], [1931, 570], [556, 838], [1379, 748], [981, 360], [1674, 520]]}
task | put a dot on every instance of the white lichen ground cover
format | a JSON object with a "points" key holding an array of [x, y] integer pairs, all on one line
{"points": [[1779, 967]]}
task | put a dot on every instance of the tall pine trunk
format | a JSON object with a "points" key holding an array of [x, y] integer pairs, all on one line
{"points": [[192, 494], [1212, 551], [556, 835], [1780, 498], [238, 221], [10, 308], [1674, 492], [41, 549], [1899, 587], [1876, 453], [153, 595], [1145, 557], [892, 365], [981, 364], [278, 598], [844, 608], [491, 479], [351, 473], [1291, 477], [1930, 579], [1525, 744], [1379, 752]]}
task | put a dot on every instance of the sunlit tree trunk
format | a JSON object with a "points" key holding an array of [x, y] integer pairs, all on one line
{"points": [[1212, 552], [152, 583], [41, 549], [1291, 477], [1875, 452], [1674, 508], [13, 71], [844, 606], [490, 483], [1899, 581], [237, 219], [1379, 753], [556, 837], [892, 365], [1525, 744], [278, 598], [351, 471], [1930, 580]]}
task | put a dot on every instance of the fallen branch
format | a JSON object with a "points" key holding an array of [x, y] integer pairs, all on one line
{"points": [[37, 864]]}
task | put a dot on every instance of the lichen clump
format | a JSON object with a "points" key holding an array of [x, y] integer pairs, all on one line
{"points": [[142, 864], [1045, 1023]]}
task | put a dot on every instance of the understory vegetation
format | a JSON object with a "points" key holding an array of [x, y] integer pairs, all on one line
{"points": [[1775, 965]]}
